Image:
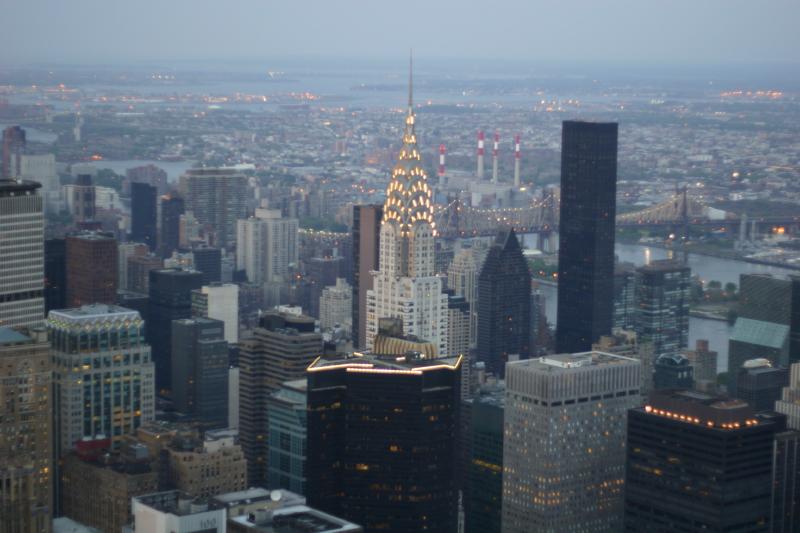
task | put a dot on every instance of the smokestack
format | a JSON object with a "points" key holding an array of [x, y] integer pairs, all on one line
{"points": [[516, 161], [442, 152], [494, 157], [480, 155]]}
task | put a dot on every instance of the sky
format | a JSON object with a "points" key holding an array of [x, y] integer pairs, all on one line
{"points": [[642, 32]]}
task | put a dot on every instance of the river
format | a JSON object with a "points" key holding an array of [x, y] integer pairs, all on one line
{"points": [[708, 268]]}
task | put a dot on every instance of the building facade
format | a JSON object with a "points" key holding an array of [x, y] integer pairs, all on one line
{"points": [[267, 246], [662, 306], [103, 372], [219, 301], [586, 234], [286, 416], [21, 254], [91, 269], [336, 306], [564, 447], [366, 249], [218, 198], [144, 214]]}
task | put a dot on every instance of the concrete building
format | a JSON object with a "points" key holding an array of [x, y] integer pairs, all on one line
{"points": [[405, 285], [126, 250], [104, 373], [789, 403], [462, 278], [42, 169], [139, 267], [280, 350], [91, 269], [673, 372], [21, 254], [14, 141], [200, 371], [760, 384], [662, 306], [286, 418], [704, 362], [175, 512], [219, 301], [267, 246], [336, 306], [26, 431], [366, 239], [81, 198], [564, 447], [626, 343], [218, 198], [205, 468]]}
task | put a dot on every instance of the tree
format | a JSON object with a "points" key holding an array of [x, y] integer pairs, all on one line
{"points": [[714, 284], [730, 288]]}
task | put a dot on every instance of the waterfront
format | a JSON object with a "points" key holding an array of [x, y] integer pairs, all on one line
{"points": [[708, 268]]}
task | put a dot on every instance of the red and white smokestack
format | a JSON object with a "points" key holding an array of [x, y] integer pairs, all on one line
{"points": [[517, 156], [480, 155], [442, 152], [494, 156]]}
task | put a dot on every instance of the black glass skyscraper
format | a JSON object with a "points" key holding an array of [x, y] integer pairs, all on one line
{"points": [[171, 210], [170, 299], [143, 214], [208, 261], [586, 234], [381, 440], [504, 304], [55, 274]]}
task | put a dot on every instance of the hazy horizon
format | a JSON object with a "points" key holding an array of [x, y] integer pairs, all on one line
{"points": [[572, 33]]}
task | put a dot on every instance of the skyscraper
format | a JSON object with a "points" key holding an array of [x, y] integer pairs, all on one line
{"points": [[170, 299], [55, 274], [336, 306], [104, 374], [200, 370], [504, 305], [405, 285], [280, 350], [144, 212], [381, 436], [26, 427], [218, 198], [462, 278], [760, 384], [662, 306], [13, 147], [21, 254], [789, 403], [81, 197], [219, 301], [564, 447], [267, 245], [696, 462], [91, 269], [171, 210], [483, 493], [208, 261], [366, 239], [286, 415], [586, 234]]}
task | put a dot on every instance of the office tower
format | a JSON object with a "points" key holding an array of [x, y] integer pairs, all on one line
{"points": [[760, 384], [624, 342], [624, 296], [458, 316], [219, 301], [286, 415], [81, 197], [280, 350], [673, 372], [138, 272], [42, 168], [172, 208], [126, 250], [208, 261], [336, 306], [504, 305], [13, 148], [21, 254], [662, 306], [209, 466], [698, 463], [321, 272], [381, 440], [443, 254], [147, 174], [586, 234], [462, 277], [704, 362], [541, 338], [174, 511], [218, 198], [483, 493], [366, 240], [97, 486], [104, 374], [144, 213], [267, 246], [789, 403], [55, 274], [200, 371], [170, 299], [26, 429], [785, 508], [233, 397], [91, 269], [405, 284], [763, 325]]}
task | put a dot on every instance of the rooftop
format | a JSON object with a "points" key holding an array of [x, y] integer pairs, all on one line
{"points": [[692, 407], [760, 333], [18, 187], [276, 498], [364, 362], [93, 313], [567, 361], [295, 519], [10, 336]]}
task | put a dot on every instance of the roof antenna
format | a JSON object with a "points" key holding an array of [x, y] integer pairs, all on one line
{"points": [[410, 80]]}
